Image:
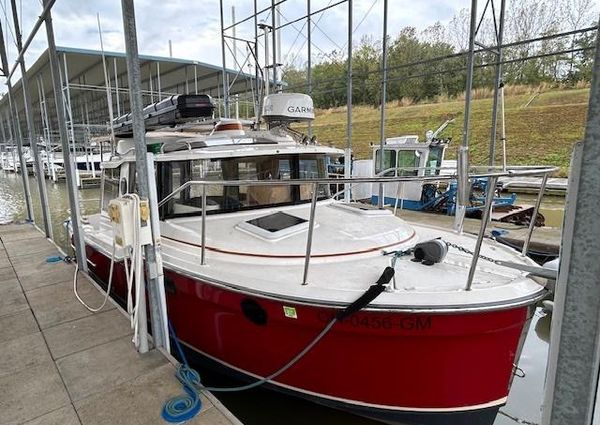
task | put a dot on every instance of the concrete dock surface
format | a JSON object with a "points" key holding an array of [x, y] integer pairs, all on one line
{"points": [[60, 364]]}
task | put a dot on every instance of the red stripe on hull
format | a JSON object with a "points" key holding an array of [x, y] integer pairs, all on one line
{"points": [[408, 361]]}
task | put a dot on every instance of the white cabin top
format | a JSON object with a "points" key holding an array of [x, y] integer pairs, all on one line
{"points": [[178, 146], [402, 140]]}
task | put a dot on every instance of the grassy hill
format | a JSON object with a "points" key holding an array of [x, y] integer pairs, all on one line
{"points": [[541, 133]]}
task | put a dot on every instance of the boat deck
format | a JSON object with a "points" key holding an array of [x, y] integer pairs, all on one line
{"points": [[60, 363]]}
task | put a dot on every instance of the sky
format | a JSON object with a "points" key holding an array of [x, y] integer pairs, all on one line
{"points": [[194, 26]]}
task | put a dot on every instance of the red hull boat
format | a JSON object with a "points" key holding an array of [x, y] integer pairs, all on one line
{"points": [[422, 351]]}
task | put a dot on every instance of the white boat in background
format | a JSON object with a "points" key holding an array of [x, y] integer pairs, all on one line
{"points": [[85, 162]]}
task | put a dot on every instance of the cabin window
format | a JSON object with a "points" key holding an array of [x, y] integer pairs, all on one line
{"points": [[436, 155], [221, 198], [389, 161], [111, 182], [408, 162]]}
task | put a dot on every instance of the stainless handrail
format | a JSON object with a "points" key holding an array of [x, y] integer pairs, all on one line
{"points": [[489, 201], [315, 183], [536, 208], [311, 227]]}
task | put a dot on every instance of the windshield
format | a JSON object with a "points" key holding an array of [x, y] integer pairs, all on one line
{"points": [[219, 198]]}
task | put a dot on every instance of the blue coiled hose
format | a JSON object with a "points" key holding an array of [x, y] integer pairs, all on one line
{"points": [[183, 407]]}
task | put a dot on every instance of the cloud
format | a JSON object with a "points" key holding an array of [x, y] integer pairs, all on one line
{"points": [[194, 26]]}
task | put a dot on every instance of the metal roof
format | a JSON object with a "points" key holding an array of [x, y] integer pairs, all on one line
{"points": [[86, 88]]}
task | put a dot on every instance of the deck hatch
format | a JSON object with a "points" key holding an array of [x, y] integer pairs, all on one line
{"points": [[274, 226], [276, 222]]}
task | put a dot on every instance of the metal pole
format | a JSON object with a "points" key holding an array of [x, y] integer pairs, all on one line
{"points": [[69, 113], [462, 197], [278, 87], [309, 57], [195, 79], [267, 72], [158, 84], [45, 116], [109, 101], [257, 100], [155, 225], [498, 83], [150, 84], [380, 200], [32, 34], [170, 49], [573, 361], [489, 201], [143, 183], [348, 153], [311, 228], [233, 30], [117, 87], [503, 129], [31, 130], [43, 121], [223, 58], [78, 241], [274, 44], [14, 122], [4, 139], [187, 84]]}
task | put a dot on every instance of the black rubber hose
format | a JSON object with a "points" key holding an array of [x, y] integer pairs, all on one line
{"points": [[370, 294]]}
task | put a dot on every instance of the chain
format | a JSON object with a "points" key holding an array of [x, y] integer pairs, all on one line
{"points": [[468, 251]]}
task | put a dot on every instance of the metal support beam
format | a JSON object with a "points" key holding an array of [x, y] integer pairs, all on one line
{"points": [[39, 171], [498, 85], [109, 100], [348, 153], [24, 46], [309, 57], [463, 152], [158, 82], [154, 270], [13, 122], [274, 44], [574, 358], [384, 70], [64, 141], [117, 87], [224, 77]]}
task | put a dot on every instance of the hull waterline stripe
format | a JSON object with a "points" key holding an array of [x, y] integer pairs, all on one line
{"points": [[249, 254], [489, 404]]}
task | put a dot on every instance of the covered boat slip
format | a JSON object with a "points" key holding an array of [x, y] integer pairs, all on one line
{"points": [[61, 364], [347, 257]]}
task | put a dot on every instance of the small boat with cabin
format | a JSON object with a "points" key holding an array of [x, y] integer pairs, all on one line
{"points": [[262, 264]]}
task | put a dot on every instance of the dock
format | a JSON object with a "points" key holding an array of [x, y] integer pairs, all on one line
{"points": [[60, 364], [543, 238], [554, 186]]}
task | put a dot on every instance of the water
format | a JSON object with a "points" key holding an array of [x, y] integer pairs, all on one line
{"points": [[552, 207], [263, 407], [13, 208]]}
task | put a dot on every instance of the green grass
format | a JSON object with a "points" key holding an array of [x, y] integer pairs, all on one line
{"points": [[541, 134]]}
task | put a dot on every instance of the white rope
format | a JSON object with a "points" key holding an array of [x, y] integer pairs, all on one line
{"points": [[107, 294]]}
